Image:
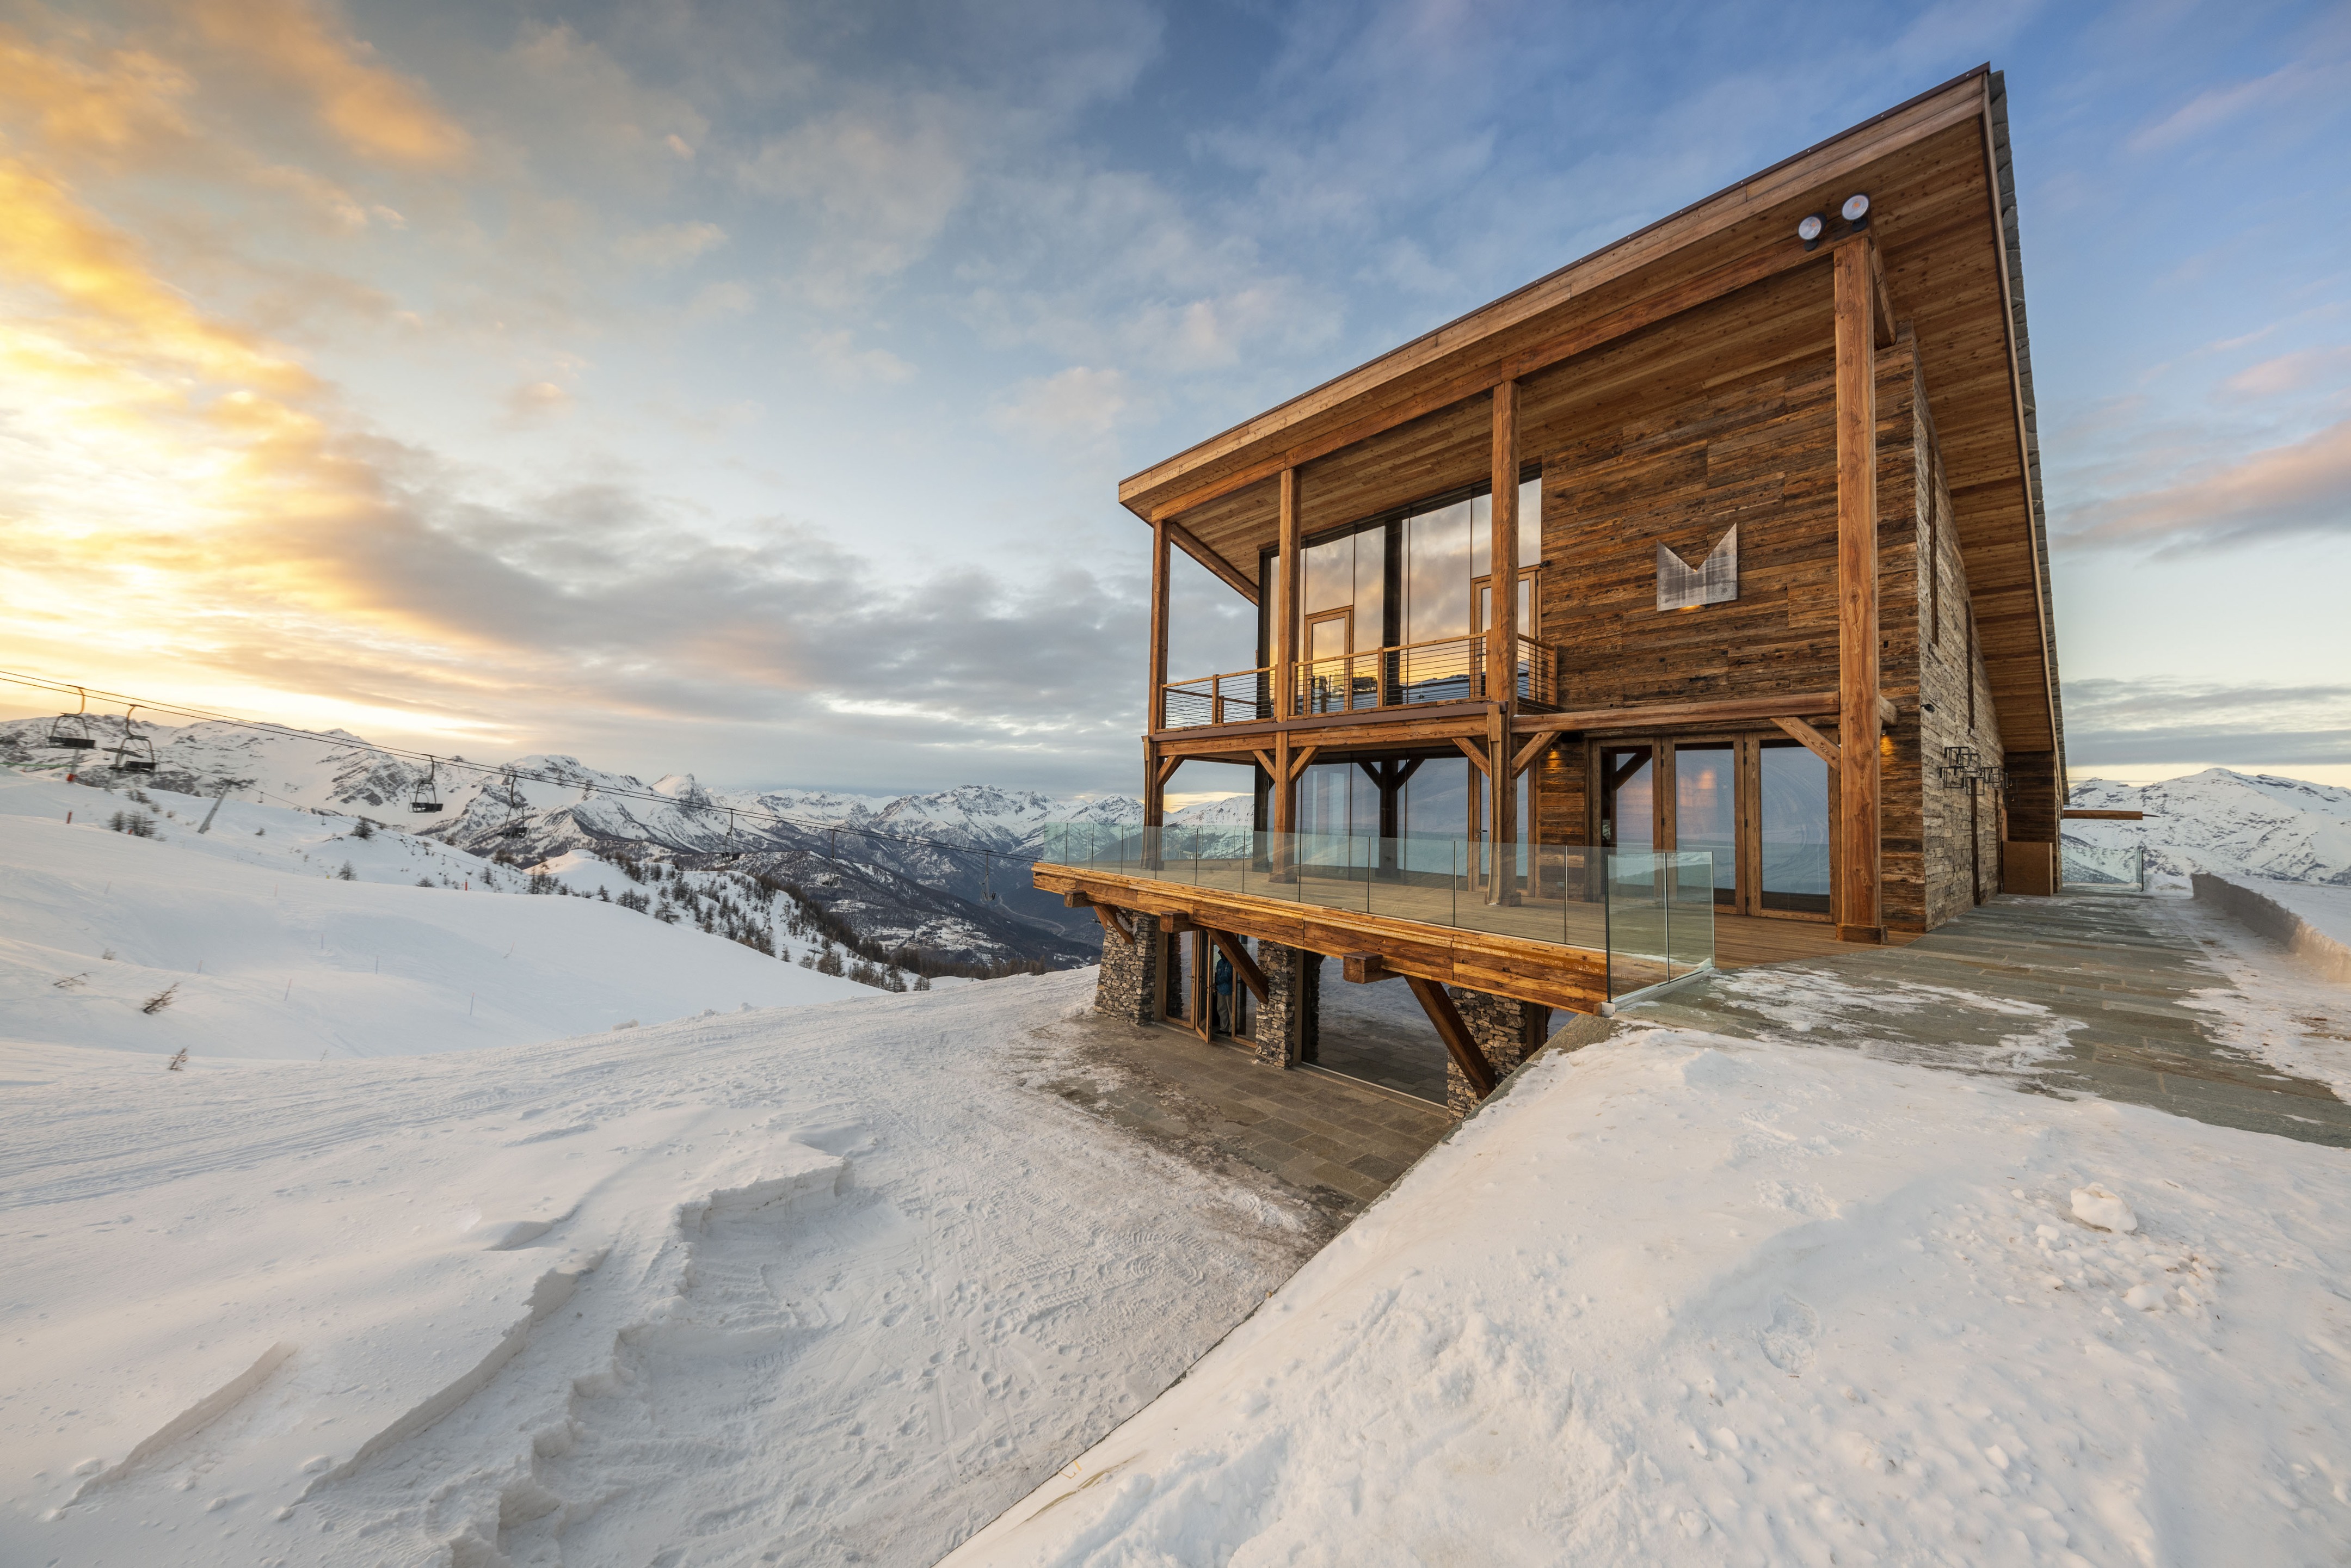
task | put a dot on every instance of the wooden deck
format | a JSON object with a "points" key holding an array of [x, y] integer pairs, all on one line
{"points": [[1740, 940]]}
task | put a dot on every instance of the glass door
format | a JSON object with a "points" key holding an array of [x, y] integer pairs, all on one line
{"points": [[1706, 815], [1628, 808], [1791, 812], [1330, 639]]}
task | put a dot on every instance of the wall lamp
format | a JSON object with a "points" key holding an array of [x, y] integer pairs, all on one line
{"points": [[1961, 767]]}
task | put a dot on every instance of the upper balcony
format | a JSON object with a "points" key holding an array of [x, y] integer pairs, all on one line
{"points": [[1412, 675]]}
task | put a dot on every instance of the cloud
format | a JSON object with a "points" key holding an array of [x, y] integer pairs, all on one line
{"points": [[2118, 723], [2302, 488], [842, 358], [880, 180], [1078, 403], [129, 104], [2291, 372], [2209, 110], [378, 113], [671, 245], [535, 403]]}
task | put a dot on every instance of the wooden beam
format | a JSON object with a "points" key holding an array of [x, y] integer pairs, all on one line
{"points": [[1888, 713], [1243, 965], [1199, 550], [1882, 298], [2083, 815], [1453, 1033], [1364, 969], [1819, 745], [1077, 898], [1167, 766], [1157, 702], [1176, 922], [1266, 761], [1532, 749], [1856, 838], [1287, 601], [1298, 764], [1659, 716], [1113, 922], [1475, 753]]}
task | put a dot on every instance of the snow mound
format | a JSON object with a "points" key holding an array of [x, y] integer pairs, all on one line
{"points": [[2094, 1205], [1648, 1309]]}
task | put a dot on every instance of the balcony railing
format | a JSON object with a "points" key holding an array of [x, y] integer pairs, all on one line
{"points": [[1447, 669], [1237, 697], [1651, 915]]}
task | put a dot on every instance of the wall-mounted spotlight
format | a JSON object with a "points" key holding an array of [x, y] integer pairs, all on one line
{"points": [[1856, 210], [1809, 231]]}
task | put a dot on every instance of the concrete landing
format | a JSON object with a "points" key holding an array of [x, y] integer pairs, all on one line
{"points": [[2084, 993], [1337, 1143]]}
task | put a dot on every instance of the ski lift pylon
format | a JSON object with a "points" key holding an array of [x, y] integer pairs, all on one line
{"points": [[70, 731]]}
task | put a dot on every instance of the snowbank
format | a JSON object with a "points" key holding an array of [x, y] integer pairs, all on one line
{"points": [[828, 1284], [264, 951], [2313, 924], [1675, 1299]]}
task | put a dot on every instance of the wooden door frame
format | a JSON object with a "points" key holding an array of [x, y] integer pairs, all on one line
{"points": [[1747, 772]]}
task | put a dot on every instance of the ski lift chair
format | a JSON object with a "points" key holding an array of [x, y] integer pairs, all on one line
{"points": [[70, 731], [134, 753], [426, 798]]}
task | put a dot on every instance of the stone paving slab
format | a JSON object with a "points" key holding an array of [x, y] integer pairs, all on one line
{"points": [[2094, 987], [1339, 1143]]}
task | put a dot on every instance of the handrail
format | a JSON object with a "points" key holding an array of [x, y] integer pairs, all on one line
{"points": [[1437, 669]]}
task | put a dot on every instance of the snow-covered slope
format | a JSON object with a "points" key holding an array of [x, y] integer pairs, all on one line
{"points": [[262, 950], [2227, 823], [1674, 1300], [812, 1286], [943, 873]]}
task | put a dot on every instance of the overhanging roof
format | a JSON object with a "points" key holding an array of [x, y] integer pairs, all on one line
{"points": [[1944, 210]]}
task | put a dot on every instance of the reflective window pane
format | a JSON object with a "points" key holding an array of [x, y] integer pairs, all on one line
{"points": [[1795, 821], [1705, 811]]}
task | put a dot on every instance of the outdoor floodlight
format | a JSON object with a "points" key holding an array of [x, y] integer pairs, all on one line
{"points": [[1809, 231], [1855, 210]]}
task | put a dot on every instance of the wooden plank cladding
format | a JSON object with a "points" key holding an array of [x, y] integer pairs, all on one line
{"points": [[1542, 972]]}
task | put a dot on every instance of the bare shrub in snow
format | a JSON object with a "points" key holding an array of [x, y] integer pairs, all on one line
{"points": [[363, 830], [347, 874], [178, 1061], [831, 963], [424, 882], [137, 824], [71, 982], [160, 1000], [632, 899]]}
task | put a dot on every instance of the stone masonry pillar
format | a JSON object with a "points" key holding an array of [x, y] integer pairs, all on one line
{"points": [[1285, 1020], [1506, 1029], [1128, 985]]}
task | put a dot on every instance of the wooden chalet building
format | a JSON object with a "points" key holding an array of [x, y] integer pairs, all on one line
{"points": [[1764, 475]]}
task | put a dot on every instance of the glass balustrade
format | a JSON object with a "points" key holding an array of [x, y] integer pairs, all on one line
{"points": [[2113, 868], [1652, 915]]}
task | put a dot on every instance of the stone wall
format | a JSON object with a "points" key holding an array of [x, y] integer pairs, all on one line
{"points": [[1286, 1018], [1128, 985], [1506, 1029]]}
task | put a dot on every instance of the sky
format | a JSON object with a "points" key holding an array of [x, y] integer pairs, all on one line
{"points": [[743, 388]]}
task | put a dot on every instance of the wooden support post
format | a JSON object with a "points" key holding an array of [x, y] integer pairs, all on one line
{"points": [[1364, 969], [1114, 922], [1857, 912], [1502, 650], [1154, 711], [1454, 1033], [1287, 601], [1243, 965]]}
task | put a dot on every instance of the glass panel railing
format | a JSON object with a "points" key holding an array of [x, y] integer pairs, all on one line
{"points": [[2115, 868], [1651, 915]]}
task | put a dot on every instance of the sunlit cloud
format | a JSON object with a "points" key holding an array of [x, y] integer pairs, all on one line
{"points": [[377, 113], [2301, 487]]}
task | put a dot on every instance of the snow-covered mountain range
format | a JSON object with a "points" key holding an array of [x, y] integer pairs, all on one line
{"points": [[2228, 824], [945, 872]]}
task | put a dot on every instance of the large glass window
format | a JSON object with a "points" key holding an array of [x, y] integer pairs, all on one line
{"points": [[1705, 814], [1628, 800], [1794, 810]]}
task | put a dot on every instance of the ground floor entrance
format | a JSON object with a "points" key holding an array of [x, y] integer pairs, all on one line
{"points": [[1760, 804]]}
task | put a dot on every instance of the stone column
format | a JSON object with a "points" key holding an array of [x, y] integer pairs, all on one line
{"points": [[1506, 1029], [1128, 988], [1285, 1020]]}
